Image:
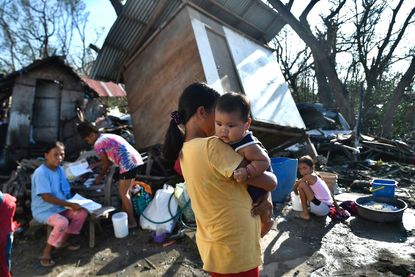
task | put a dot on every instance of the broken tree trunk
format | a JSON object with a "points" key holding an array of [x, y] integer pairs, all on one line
{"points": [[398, 92]]}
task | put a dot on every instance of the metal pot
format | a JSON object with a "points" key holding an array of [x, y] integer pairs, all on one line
{"points": [[381, 216]]}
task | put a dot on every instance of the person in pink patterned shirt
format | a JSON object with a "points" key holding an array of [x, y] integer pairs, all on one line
{"points": [[115, 149]]}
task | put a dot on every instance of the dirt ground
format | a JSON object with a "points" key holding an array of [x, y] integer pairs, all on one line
{"points": [[294, 247]]}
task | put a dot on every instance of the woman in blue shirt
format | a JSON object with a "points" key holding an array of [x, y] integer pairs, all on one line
{"points": [[50, 190]]}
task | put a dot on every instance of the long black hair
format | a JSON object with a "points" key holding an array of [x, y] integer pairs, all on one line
{"points": [[194, 96]]}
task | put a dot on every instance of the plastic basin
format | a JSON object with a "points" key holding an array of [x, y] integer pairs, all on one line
{"points": [[380, 216]]}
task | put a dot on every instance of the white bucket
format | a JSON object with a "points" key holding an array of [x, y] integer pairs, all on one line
{"points": [[120, 223], [296, 201]]}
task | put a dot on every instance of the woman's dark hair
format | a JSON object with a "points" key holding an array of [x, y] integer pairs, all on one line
{"points": [[194, 96], [234, 102], [86, 128], [49, 146], [306, 160]]}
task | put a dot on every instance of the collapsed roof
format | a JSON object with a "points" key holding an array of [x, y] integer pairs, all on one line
{"points": [[139, 20]]}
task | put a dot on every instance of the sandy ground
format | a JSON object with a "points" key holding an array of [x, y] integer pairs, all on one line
{"points": [[294, 247]]}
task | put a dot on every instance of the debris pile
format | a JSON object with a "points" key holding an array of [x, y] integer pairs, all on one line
{"points": [[357, 176], [372, 147]]}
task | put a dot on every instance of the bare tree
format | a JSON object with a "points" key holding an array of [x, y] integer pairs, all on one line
{"points": [[37, 29], [396, 97], [331, 88], [292, 66], [376, 55]]}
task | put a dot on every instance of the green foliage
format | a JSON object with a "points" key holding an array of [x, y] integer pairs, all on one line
{"points": [[404, 116], [116, 102], [375, 109]]}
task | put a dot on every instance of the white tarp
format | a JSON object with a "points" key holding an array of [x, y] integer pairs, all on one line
{"points": [[263, 82], [259, 73]]}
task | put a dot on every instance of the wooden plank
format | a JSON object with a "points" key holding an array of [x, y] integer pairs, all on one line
{"points": [[156, 77], [20, 116]]}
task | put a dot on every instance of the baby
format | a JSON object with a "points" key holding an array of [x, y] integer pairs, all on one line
{"points": [[232, 122]]}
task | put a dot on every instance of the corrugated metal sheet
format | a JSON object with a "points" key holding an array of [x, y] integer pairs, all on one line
{"points": [[130, 30], [105, 89], [126, 34]]}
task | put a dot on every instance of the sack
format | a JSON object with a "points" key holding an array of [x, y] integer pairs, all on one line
{"points": [[145, 186], [183, 198], [157, 216]]}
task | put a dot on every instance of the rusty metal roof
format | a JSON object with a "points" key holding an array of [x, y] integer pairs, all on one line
{"points": [[140, 19], [105, 89]]}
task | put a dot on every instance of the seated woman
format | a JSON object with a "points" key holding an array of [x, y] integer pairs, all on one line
{"points": [[313, 190], [50, 190]]}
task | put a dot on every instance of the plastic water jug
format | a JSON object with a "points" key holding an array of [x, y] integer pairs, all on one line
{"points": [[296, 201], [120, 223], [286, 171]]}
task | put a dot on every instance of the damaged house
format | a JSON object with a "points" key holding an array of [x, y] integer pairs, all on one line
{"points": [[156, 48], [39, 104]]}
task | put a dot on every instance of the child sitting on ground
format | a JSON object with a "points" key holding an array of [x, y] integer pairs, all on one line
{"points": [[313, 190], [232, 122]]}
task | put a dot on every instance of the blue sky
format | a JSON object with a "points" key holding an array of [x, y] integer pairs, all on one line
{"points": [[101, 16]]}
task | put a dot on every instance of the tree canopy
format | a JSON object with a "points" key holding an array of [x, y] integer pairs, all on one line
{"points": [[35, 29], [354, 41]]}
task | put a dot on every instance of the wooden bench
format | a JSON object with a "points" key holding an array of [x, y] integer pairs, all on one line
{"points": [[35, 224], [94, 220]]}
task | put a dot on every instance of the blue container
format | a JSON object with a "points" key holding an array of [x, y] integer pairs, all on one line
{"points": [[383, 187], [286, 171]]}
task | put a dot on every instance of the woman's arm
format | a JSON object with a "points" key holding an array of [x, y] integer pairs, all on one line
{"points": [[267, 180], [105, 164], [59, 202]]}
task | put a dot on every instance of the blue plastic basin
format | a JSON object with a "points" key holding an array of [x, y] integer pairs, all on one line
{"points": [[286, 171]]}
